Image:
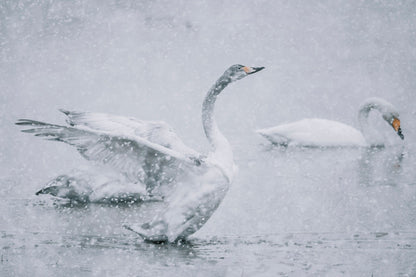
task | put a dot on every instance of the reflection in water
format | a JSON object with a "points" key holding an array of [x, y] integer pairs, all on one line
{"points": [[381, 166]]}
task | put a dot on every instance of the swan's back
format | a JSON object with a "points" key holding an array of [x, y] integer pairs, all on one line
{"points": [[314, 132]]}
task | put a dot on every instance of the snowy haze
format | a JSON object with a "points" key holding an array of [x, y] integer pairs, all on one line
{"points": [[155, 60]]}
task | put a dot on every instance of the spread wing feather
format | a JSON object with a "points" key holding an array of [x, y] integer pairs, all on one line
{"points": [[157, 132], [116, 145]]}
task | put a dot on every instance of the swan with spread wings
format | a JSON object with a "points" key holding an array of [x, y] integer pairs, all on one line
{"points": [[150, 154]]}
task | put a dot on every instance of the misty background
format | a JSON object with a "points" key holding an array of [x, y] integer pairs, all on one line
{"points": [[155, 60]]}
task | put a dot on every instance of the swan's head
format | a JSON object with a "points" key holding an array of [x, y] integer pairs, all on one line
{"points": [[392, 118], [387, 110], [238, 71]]}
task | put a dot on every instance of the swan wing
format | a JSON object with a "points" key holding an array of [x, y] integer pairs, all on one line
{"points": [[157, 132], [136, 157]]}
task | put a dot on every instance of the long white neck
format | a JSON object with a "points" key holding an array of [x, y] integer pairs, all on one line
{"points": [[221, 149], [372, 103]]}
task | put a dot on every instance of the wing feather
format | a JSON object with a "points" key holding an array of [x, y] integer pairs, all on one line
{"points": [[136, 157], [157, 132]]}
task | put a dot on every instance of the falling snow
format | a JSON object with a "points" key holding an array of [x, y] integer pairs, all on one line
{"points": [[289, 211]]}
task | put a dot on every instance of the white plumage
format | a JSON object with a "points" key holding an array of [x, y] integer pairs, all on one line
{"points": [[316, 132], [150, 155]]}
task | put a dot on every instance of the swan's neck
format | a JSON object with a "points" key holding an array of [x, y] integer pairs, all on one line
{"points": [[221, 152], [371, 104], [363, 115]]}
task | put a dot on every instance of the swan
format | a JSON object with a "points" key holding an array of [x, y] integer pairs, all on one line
{"points": [[151, 154], [84, 186], [316, 132]]}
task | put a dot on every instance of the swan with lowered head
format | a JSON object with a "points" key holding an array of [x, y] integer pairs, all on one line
{"points": [[316, 132], [150, 153]]}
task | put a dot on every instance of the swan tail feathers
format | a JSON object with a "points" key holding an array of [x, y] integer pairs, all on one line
{"points": [[275, 139]]}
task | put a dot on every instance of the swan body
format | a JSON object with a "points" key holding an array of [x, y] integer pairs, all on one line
{"points": [[188, 208], [316, 132], [150, 154]]}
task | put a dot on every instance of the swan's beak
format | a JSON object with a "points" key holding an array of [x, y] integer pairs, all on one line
{"points": [[251, 70], [396, 126]]}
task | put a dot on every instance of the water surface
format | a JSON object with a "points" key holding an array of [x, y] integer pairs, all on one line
{"points": [[290, 211]]}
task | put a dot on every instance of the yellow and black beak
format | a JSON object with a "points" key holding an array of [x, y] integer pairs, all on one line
{"points": [[396, 127], [251, 70]]}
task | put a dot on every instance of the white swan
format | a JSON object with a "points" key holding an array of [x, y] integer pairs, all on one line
{"points": [[151, 153], [316, 132], [93, 186]]}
